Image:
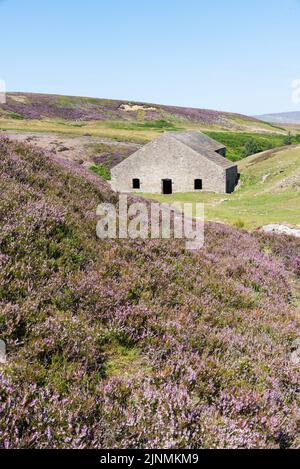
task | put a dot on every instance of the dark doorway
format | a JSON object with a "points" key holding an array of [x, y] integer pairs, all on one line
{"points": [[136, 184], [198, 185], [167, 186], [230, 186]]}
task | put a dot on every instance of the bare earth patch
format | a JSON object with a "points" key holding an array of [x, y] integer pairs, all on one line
{"points": [[83, 150]]}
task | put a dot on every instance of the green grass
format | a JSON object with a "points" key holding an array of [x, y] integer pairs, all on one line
{"points": [[296, 292], [116, 130], [259, 200], [16, 115], [262, 124], [101, 148], [236, 141], [101, 170], [159, 125], [141, 131], [123, 360], [72, 101]]}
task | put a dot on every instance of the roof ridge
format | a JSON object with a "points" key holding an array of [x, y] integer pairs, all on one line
{"points": [[209, 151]]}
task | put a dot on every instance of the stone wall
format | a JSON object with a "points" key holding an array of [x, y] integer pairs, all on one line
{"points": [[168, 158]]}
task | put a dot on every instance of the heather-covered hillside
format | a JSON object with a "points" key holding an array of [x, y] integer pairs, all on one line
{"points": [[137, 344], [22, 106]]}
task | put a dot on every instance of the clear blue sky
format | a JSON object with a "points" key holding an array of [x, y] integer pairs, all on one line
{"points": [[233, 55]]}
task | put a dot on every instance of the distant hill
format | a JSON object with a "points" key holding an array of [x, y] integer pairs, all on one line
{"points": [[281, 118], [26, 106]]}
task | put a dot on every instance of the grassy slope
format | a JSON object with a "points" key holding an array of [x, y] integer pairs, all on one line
{"points": [[256, 203], [132, 122], [117, 130], [235, 142], [137, 344], [107, 118]]}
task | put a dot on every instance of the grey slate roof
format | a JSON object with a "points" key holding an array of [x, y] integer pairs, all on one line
{"points": [[203, 145], [197, 140]]}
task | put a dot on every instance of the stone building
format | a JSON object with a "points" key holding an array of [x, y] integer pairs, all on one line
{"points": [[177, 162]]}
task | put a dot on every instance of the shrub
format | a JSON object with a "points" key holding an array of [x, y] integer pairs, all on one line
{"points": [[101, 170], [239, 223], [16, 115], [288, 139], [251, 147]]}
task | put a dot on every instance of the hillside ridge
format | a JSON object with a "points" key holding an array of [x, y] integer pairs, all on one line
{"points": [[281, 118], [40, 106]]}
